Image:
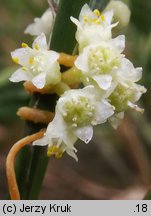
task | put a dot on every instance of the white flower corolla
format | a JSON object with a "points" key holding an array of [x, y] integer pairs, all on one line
{"points": [[92, 26], [83, 108], [121, 12], [39, 65], [44, 24], [99, 62], [116, 119], [59, 138], [124, 97], [77, 111], [126, 91], [105, 67]]}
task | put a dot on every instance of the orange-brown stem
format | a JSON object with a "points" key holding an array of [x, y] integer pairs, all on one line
{"points": [[10, 171], [70, 77], [29, 87], [66, 60], [35, 115]]}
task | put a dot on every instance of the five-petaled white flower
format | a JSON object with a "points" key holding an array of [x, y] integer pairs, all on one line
{"points": [[92, 26], [99, 62], [44, 24], [39, 65], [77, 111]]}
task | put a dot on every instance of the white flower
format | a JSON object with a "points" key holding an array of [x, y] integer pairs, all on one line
{"points": [[44, 24], [124, 97], [104, 66], [92, 26], [39, 65], [77, 111], [99, 62], [126, 91], [59, 138], [121, 12], [84, 108]]}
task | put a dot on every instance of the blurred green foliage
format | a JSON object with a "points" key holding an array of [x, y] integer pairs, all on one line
{"points": [[141, 15]]}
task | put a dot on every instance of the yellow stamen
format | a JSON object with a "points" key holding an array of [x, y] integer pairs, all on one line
{"points": [[36, 46], [97, 12], [54, 150], [102, 17], [31, 60], [24, 68], [85, 18], [50, 151], [24, 45], [15, 59], [59, 154], [98, 21]]}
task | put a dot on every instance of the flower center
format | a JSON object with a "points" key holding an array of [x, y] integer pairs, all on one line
{"points": [[79, 112], [120, 98], [37, 64], [56, 149], [96, 18], [103, 60]]}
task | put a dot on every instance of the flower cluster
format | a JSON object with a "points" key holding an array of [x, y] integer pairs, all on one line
{"points": [[104, 66], [108, 77]]}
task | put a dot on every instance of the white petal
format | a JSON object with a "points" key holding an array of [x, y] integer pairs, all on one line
{"points": [[76, 22], [53, 74], [89, 90], [52, 57], [85, 11], [82, 62], [135, 107], [43, 24], [108, 16], [121, 12], [84, 133], [119, 42], [41, 142], [41, 42], [20, 75], [23, 55], [116, 119], [137, 73], [39, 80], [72, 154], [33, 29], [128, 72], [57, 127], [103, 111], [104, 81]]}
